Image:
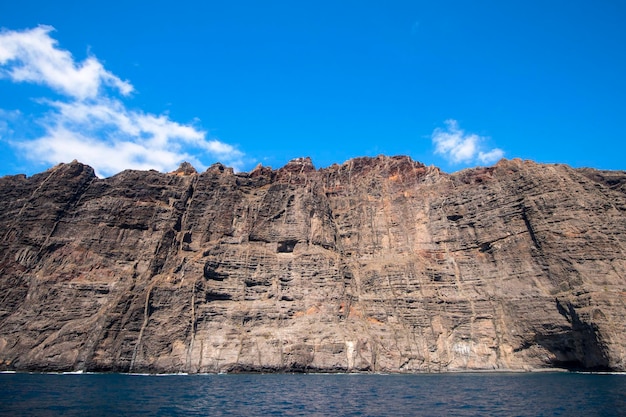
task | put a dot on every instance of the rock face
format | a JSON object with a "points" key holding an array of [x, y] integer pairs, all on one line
{"points": [[380, 264]]}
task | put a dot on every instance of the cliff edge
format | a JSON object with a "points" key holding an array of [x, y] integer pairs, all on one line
{"points": [[378, 264]]}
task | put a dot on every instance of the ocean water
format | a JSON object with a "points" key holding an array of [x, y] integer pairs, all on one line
{"points": [[482, 394]]}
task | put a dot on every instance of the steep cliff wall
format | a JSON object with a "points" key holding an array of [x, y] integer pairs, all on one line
{"points": [[379, 264]]}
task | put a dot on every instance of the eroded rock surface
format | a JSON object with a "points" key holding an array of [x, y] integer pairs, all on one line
{"points": [[379, 264]]}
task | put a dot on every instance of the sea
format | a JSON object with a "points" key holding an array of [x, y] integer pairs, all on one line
{"points": [[472, 394]]}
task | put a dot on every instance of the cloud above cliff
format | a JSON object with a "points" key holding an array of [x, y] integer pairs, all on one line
{"points": [[459, 147], [33, 56], [90, 122]]}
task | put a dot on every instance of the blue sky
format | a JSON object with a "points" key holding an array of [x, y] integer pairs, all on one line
{"points": [[454, 84]]}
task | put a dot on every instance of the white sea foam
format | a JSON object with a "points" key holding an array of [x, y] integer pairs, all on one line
{"points": [[600, 373], [148, 374]]}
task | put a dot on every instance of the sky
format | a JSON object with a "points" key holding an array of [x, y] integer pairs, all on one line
{"points": [[456, 84]]}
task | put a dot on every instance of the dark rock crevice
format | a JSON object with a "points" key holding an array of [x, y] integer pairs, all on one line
{"points": [[581, 348]]}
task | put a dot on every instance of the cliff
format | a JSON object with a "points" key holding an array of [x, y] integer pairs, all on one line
{"points": [[379, 264]]}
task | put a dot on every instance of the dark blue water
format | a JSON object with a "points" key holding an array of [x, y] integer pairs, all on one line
{"points": [[544, 394]]}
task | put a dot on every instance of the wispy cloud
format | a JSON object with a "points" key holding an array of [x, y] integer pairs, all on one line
{"points": [[33, 56], [91, 123], [459, 147]]}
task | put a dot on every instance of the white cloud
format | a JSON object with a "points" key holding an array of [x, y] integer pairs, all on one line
{"points": [[111, 138], [61, 144], [459, 147], [32, 56], [5, 118], [90, 125], [491, 156]]}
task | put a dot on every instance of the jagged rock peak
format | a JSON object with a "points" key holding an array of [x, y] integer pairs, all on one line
{"points": [[379, 163], [71, 169], [261, 170], [382, 160], [396, 168], [298, 165], [185, 168], [219, 168]]}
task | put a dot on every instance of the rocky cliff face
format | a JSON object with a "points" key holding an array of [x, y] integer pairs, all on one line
{"points": [[380, 264]]}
